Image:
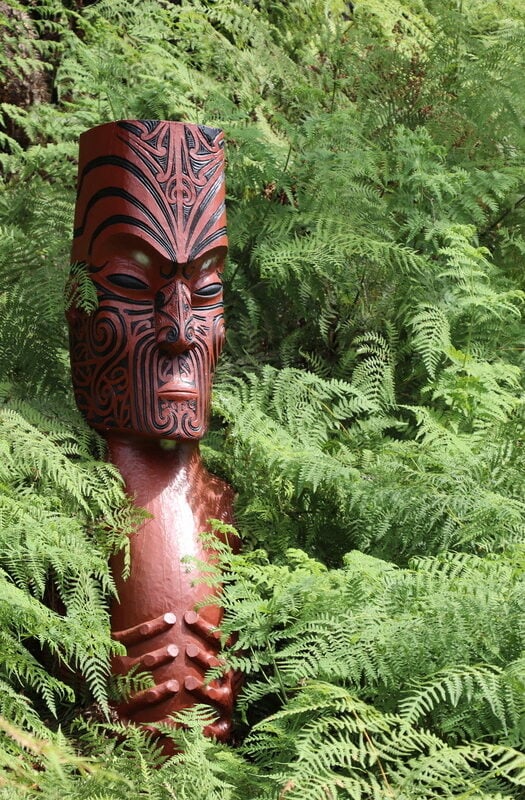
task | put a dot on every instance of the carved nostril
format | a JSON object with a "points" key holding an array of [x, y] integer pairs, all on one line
{"points": [[173, 334]]}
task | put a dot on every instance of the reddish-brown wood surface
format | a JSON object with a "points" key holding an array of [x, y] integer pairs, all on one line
{"points": [[150, 228]]}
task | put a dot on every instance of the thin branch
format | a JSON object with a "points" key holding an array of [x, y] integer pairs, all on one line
{"points": [[502, 216]]}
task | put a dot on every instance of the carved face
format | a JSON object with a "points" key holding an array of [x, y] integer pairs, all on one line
{"points": [[150, 226], [143, 362]]}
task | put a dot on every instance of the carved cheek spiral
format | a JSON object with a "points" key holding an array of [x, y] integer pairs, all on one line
{"points": [[98, 359]]}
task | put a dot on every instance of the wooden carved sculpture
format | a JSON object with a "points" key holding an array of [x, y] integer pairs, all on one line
{"points": [[150, 225]]}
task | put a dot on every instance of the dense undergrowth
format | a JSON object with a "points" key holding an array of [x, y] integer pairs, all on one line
{"points": [[368, 409]]}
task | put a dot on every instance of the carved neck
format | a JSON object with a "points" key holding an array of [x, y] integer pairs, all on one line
{"points": [[148, 469], [174, 487]]}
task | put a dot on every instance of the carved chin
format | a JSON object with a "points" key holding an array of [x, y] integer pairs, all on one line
{"points": [[180, 426], [164, 418], [183, 418]]}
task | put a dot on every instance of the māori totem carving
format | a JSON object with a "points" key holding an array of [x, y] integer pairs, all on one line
{"points": [[150, 226]]}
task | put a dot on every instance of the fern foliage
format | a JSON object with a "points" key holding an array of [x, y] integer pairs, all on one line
{"points": [[368, 409]]}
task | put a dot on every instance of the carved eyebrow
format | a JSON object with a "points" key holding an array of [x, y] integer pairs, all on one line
{"points": [[193, 269], [141, 258], [208, 262]]}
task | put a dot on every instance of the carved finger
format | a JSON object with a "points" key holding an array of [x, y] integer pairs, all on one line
{"points": [[220, 730], [219, 695], [149, 697], [208, 631], [146, 629], [203, 657], [122, 664]]}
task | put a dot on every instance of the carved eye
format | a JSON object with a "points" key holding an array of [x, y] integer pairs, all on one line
{"points": [[127, 281], [208, 291]]}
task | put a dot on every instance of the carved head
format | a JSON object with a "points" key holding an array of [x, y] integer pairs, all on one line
{"points": [[150, 225]]}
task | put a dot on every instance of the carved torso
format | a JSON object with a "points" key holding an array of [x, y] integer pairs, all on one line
{"points": [[181, 496]]}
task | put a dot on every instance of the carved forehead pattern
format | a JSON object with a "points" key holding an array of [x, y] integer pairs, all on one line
{"points": [[160, 181]]}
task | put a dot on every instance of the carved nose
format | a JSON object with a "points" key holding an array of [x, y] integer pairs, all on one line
{"points": [[174, 321]]}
